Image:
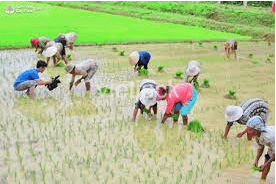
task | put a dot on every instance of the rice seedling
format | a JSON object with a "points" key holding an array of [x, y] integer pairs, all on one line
{"points": [[122, 53], [160, 68], [179, 74], [250, 55], [200, 43], [195, 126], [271, 55], [69, 57], [143, 72], [255, 61], [215, 47], [231, 94], [196, 85], [114, 49], [205, 83]]}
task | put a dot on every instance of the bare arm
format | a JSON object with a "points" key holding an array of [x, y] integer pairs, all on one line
{"points": [[243, 132], [134, 114], [165, 117], [259, 154], [227, 128]]}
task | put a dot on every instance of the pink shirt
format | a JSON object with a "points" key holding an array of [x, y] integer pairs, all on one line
{"points": [[180, 93]]}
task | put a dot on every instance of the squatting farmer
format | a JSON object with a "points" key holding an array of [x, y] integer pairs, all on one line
{"points": [[230, 47], [39, 43], [180, 98], [265, 136], [140, 59], [192, 72], [243, 112], [147, 97], [86, 68], [29, 79]]}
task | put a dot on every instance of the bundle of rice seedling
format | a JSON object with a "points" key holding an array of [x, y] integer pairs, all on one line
{"points": [[254, 168], [60, 64], [195, 126], [196, 85], [143, 71], [160, 67]]}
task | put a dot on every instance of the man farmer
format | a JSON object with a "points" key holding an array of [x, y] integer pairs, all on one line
{"points": [[86, 68], [230, 47], [265, 136], [29, 79], [140, 59], [39, 43], [147, 97], [242, 113], [180, 98], [192, 72]]}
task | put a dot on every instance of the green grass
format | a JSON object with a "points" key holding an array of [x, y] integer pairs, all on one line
{"points": [[233, 19], [93, 27]]}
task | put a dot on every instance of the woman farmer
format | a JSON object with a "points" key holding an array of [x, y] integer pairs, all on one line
{"points": [[140, 59], [265, 136], [61, 39], [230, 47], [192, 72], [180, 98], [147, 97], [39, 43], [242, 113], [86, 68]]}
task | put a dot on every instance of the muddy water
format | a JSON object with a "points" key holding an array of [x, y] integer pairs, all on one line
{"points": [[77, 135]]}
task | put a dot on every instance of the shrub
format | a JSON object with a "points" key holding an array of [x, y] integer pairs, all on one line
{"points": [[160, 67], [195, 126], [231, 94], [143, 72], [122, 53], [206, 83], [179, 74]]}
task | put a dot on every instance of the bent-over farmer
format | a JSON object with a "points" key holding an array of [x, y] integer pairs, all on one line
{"points": [[86, 68], [180, 98], [147, 97], [29, 79], [39, 43], [192, 72], [140, 59], [243, 112], [265, 136], [230, 47]]}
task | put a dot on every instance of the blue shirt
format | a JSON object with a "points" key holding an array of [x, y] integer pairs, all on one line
{"points": [[30, 74], [144, 57]]}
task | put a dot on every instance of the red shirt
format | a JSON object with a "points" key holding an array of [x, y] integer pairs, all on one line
{"points": [[179, 93]]}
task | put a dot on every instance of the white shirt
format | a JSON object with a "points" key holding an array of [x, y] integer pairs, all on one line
{"points": [[267, 138]]}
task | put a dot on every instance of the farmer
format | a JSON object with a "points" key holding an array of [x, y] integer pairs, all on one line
{"points": [[86, 68], [147, 97], [265, 136], [192, 72], [39, 43], [242, 113], [29, 79], [180, 98], [230, 47], [140, 59], [61, 39]]}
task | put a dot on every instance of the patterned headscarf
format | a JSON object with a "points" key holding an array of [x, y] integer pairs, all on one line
{"points": [[257, 123]]}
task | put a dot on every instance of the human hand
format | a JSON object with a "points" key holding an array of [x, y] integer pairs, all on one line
{"points": [[240, 135], [77, 82]]}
